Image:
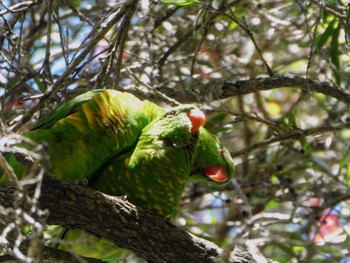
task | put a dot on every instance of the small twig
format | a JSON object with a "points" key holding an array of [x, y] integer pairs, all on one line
{"points": [[116, 49], [293, 134], [312, 39], [46, 63], [241, 87], [188, 35], [5, 166], [78, 12], [323, 5], [119, 12], [122, 36], [19, 7], [63, 39], [256, 118], [165, 97], [246, 28], [165, 15], [201, 41]]}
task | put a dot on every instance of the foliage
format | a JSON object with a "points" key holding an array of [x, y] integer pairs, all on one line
{"points": [[289, 201]]}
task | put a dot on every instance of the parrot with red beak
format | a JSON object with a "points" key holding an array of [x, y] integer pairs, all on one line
{"points": [[127, 147]]}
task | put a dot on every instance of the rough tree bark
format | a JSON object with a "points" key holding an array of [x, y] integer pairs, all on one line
{"points": [[223, 89], [148, 236]]}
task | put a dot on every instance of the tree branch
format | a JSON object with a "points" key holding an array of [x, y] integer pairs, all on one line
{"points": [[118, 13], [220, 89], [49, 255], [128, 226], [293, 134], [225, 89]]}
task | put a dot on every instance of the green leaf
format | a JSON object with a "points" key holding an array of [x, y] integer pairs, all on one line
{"points": [[26, 229], [199, 15], [289, 120], [179, 2], [335, 54], [322, 40], [322, 165], [272, 204], [40, 85], [306, 146], [75, 3], [214, 120], [345, 160], [347, 176]]}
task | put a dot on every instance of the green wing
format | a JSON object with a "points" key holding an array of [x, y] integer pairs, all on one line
{"points": [[153, 175], [65, 110], [85, 133]]}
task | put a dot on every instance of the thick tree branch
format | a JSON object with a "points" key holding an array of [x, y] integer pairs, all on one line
{"points": [[128, 226], [218, 89], [285, 81], [49, 255]]}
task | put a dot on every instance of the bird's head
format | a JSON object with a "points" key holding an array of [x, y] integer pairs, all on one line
{"points": [[178, 126], [213, 164]]}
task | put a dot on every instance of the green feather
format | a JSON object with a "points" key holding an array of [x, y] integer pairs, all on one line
{"points": [[211, 152], [152, 168], [83, 134], [153, 175]]}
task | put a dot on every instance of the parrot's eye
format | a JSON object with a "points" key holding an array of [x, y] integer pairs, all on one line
{"points": [[222, 152], [171, 114]]}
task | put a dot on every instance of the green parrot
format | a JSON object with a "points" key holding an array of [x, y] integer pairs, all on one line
{"points": [[161, 191], [128, 147]]}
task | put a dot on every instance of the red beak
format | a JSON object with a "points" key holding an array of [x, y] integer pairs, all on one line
{"points": [[197, 119], [216, 173]]}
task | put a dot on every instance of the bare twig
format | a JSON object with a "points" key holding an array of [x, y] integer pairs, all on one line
{"points": [[165, 97], [122, 36], [75, 63], [19, 7], [4, 165], [46, 63], [188, 35], [293, 134], [337, 13], [244, 25]]}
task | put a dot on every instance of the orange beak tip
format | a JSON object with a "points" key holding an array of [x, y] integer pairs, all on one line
{"points": [[216, 173], [197, 118]]}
